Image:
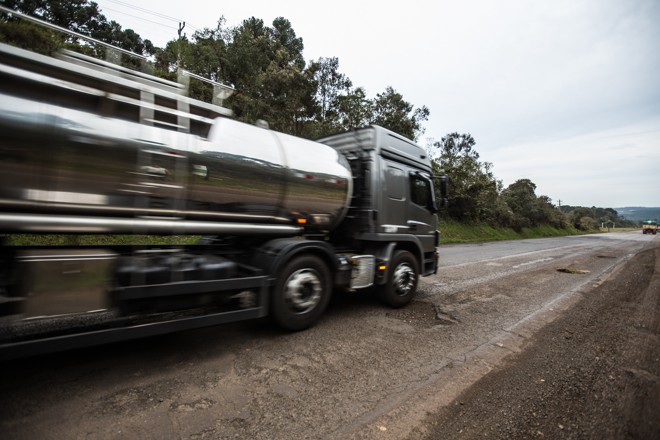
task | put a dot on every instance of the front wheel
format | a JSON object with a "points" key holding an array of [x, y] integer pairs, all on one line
{"points": [[401, 283], [301, 293]]}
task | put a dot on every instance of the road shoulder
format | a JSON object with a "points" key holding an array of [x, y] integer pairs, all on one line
{"points": [[593, 372]]}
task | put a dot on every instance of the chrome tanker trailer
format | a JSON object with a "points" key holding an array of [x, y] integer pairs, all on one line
{"points": [[91, 148]]}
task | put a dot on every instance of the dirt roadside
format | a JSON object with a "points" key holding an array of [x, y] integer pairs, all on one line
{"points": [[592, 373]]}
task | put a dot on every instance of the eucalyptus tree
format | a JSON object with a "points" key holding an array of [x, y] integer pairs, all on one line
{"points": [[353, 110], [205, 55], [267, 67], [520, 196], [330, 84], [391, 111], [474, 191], [530, 209]]}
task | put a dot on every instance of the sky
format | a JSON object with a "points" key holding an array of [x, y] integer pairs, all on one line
{"points": [[565, 93]]}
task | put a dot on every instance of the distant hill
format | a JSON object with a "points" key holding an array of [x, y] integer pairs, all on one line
{"points": [[637, 213]]}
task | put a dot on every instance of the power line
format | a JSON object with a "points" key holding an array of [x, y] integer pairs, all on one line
{"points": [[147, 11], [158, 14], [139, 18]]}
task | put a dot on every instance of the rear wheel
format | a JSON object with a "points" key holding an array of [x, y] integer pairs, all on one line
{"points": [[401, 283], [302, 293]]}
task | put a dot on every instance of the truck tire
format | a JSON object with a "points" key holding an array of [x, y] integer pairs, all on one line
{"points": [[401, 284], [301, 293]]}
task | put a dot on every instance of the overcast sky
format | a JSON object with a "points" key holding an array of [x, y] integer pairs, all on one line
{"points": [[563, 92]]}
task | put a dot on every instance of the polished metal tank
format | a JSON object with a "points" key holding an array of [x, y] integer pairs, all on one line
{"points": [[82, 158], [61, 161]]}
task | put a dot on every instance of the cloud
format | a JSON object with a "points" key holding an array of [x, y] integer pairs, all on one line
{"points": [[600, 168]]}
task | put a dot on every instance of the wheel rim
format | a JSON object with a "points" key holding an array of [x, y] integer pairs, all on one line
{"points": [[303, 290], [404, 279]]}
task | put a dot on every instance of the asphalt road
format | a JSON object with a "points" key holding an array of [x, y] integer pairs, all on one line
{"points": [[365, 371]]}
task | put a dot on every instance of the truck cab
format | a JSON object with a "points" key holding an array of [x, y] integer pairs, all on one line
{"points": [[649, 227], [393, 199]]}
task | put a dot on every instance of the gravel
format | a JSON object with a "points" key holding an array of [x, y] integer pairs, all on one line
{"points": [[593, 373]]}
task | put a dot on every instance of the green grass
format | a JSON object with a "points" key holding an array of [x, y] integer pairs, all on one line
{"points": [[98, 240], [455, 232]]}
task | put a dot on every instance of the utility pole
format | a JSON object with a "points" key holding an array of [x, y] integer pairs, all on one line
{"points": [[182, 79], [182, 25]]}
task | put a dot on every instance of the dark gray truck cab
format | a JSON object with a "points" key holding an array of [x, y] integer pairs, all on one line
{"points": [[393, 207]]}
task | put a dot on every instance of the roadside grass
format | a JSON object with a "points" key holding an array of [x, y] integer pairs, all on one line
{"points": [[455, 232], [619, 229], [98, 240]]}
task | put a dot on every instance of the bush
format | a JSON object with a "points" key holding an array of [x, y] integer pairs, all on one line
{"points": [[587, 224]]}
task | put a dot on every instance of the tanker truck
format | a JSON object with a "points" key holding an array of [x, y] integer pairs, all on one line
{"points": [[87, 147]]}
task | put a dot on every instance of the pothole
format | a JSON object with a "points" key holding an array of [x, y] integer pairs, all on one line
{"points": [[573, 271], [445, 317], [422, 314]]}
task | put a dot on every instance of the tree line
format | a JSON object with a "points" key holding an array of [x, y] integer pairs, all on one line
{"points": [[477, 196], [273, 82]]}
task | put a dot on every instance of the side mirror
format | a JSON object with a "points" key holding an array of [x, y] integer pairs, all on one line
{"points": [[443, 180]]}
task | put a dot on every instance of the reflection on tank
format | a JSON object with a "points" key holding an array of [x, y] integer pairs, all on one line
{"points": [[72, 162]]}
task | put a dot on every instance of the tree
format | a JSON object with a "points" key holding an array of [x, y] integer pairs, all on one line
{"points": [[267, 67], [520, 196], [204, 55], [30, 36], [473, 189], [530, 210], [330, 85], [587, 223], [288, 47], [289, 94], [394, 113], [575, 214], [79, 16], [550, 214], [350, 108], [264, 64], [353, 110]]}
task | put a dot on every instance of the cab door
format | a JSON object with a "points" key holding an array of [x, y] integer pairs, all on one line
{"points": [[422, 220]]}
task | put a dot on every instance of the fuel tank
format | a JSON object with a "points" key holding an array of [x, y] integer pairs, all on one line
{"points": [[63, 169], [87, 146]]}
